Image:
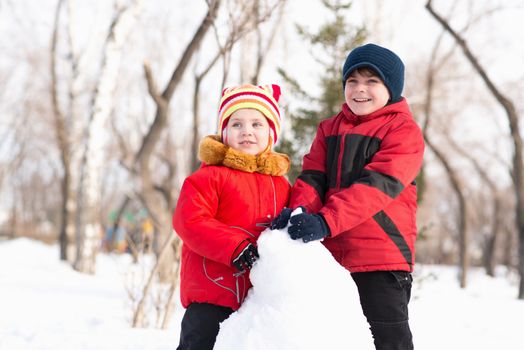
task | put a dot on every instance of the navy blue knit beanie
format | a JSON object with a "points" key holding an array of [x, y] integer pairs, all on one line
{"points": [[386, 63]]}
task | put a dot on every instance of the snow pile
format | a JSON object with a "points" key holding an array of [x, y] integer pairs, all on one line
{"points": [[301, 299]]}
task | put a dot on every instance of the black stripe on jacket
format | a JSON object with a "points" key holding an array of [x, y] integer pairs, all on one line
{"points": [[317, 180], [385, 183], [358, 151], [332, 153], [393, 232]]}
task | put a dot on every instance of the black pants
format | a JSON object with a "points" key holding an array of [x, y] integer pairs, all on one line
{"points": [[200, 326], [384, 296]]}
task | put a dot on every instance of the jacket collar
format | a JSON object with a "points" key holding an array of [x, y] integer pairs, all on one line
{"points": [[213, 152], [398, 107]]}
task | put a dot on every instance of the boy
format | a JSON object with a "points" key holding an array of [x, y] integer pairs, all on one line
{"points": [[224, 206], [357, 186]]}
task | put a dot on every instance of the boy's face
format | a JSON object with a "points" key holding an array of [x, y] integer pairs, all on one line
{"points": [[365, 92], [248, 131]]}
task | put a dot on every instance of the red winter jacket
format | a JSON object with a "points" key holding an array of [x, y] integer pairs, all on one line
{"points": [[219, 211], [359, 174]]}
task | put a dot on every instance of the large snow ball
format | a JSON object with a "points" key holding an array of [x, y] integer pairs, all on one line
{"points": [[301, 299]]}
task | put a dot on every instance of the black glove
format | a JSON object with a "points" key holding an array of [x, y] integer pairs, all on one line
{"points": [[244, 261], [309, 227], [282, 219]]}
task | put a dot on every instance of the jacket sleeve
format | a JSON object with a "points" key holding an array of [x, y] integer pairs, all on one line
{"points": [[195, 219], [392, 168], [310, 187]]}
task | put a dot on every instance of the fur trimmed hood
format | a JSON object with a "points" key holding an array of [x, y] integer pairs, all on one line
{"points": [[212, 151]]}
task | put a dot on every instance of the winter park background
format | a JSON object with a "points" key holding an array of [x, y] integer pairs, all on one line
{"points": [[77, 101]]}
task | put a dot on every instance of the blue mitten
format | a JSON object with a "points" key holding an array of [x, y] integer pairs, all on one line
{"points": [[309, 227]]}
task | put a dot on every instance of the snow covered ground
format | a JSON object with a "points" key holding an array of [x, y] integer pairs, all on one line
{"points": [[44, 304]]}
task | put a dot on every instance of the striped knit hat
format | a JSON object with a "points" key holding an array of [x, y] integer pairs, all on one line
{"points": [[263, 98]]}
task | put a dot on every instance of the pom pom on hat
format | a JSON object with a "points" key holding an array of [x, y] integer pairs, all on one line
{"points": [[384, 62], [263, 98]]}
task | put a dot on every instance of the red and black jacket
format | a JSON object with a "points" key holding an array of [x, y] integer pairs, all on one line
{"points": [[359, 174]]}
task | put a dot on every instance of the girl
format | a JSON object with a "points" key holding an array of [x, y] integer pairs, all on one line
{"points": [[225, 205]]}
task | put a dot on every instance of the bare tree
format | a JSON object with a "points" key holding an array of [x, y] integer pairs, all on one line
{"points": [[263, 45], [74, 123], [241, 24], [29, 170], [14, 130], [12, 166], [517, 171], [462, 217], [496, 200], [61, 138], [88, 227], [160, 210], [457, 186], [69, 122]]}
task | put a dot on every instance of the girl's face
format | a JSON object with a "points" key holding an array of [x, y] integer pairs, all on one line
{"points": [[365, 92], [248, 131]]}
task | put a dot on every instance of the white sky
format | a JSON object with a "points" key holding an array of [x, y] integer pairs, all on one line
{"points": [[45, 305]]}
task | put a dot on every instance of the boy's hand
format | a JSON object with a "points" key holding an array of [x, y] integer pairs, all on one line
{"points": [[309, 227], [281, 220], [247, 257]]}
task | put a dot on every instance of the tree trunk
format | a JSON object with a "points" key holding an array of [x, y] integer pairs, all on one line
{"points": [[462, 229], [490, 261], [462, 226], [62, 141], [492, 239], [89, 228], [75, 123], [509, 245], [160, 210], [194, 163], [148, 191]]}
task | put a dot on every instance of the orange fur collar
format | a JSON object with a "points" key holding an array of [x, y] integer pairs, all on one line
{"points": [[213, 152]]}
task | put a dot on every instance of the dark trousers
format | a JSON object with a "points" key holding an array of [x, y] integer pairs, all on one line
{"points": [[200, 326], [384, 296]]}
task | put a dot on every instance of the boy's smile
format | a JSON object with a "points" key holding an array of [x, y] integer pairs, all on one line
{"points": [[365, 93]]}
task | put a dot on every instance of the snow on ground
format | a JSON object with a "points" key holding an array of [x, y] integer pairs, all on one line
{"points": [[44, 304]]}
